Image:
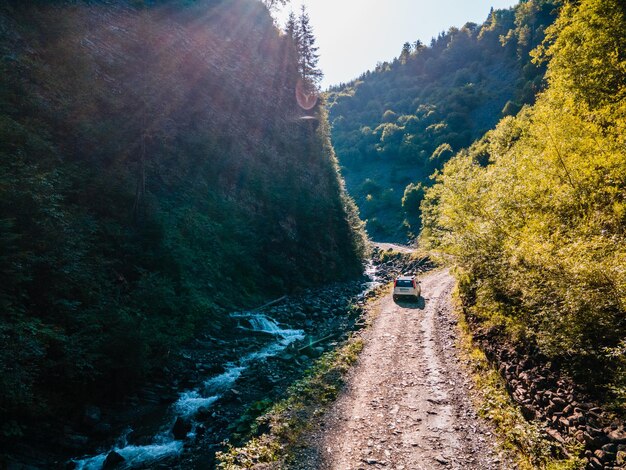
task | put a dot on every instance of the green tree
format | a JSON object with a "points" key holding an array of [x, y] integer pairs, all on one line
{"points": [[291, 28], [308, 57], [411, 201], [405, 53]]}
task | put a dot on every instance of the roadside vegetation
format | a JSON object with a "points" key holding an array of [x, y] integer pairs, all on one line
{"points": [[534, 214]]}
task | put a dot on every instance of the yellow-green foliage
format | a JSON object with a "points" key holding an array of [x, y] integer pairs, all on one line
{"points": [[535, 213], [289, 418]]}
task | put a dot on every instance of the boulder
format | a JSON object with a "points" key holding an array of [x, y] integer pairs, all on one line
{"points": [[200, 430], [180, 429], [617, 436], [102, 429], [113, 460], [528, 412], [555, 435]]}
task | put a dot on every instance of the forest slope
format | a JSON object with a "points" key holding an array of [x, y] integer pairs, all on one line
{"points": [[394, 126], [154, 173], [535, 213]]}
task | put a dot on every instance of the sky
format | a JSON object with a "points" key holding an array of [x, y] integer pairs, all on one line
{"points": [[354, 35]]}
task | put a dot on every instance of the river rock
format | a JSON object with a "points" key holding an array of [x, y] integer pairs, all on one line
{"points": [[617, 436], [180, 429], [113, 460], [595, 464]]}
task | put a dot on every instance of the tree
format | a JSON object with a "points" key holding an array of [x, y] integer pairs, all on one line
{"points": [[291, 27], [413, 196], [308, 57], [273, 5], [534, 213], [405, 53]]}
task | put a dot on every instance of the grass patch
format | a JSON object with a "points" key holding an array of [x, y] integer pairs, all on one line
{"points": [[525, 440], [290, 418]]}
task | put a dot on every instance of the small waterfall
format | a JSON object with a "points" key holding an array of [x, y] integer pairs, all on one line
{"points": [[371, 271], [262, 323], [191, 401]]}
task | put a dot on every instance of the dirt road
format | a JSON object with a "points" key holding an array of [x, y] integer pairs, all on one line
{"points": [[395, 247], [407, 404]]}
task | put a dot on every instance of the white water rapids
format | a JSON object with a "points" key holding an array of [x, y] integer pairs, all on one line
{"points": [[371, 271], [164, 445]]}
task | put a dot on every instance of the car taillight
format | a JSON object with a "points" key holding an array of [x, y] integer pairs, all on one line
{"points": [[395, 283], [414, 284]]}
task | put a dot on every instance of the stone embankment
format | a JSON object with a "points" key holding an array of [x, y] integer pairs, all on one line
{"points": [[569, 417]]}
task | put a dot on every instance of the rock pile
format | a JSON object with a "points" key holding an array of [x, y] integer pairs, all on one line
{"points": [[567, 415]]}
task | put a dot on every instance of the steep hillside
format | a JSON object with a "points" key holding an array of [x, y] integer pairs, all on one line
{"points": [[535, 213], [394, 126], [155, 172]]}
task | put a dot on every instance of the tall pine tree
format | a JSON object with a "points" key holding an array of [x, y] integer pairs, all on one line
{"points": [[291, 28], [308, 57]]}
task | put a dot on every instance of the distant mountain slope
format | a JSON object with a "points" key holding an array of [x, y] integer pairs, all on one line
{"points": [[154, 173], [397, 124]]}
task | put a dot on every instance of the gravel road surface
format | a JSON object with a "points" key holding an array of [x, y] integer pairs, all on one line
{"points": [[407, 405]]}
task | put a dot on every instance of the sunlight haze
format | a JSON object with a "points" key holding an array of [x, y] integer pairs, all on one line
{"points": [[354, 35]]}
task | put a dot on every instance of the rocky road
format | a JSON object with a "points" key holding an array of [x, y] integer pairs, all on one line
{"points": [[407, 404]]}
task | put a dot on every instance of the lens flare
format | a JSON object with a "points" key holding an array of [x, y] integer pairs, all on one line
{"points": [[306, 95]]}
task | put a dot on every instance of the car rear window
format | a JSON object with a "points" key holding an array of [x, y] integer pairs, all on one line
{"points": [[404, 283]]}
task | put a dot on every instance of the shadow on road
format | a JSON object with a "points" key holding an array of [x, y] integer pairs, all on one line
{"points": [[420, 304]]}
